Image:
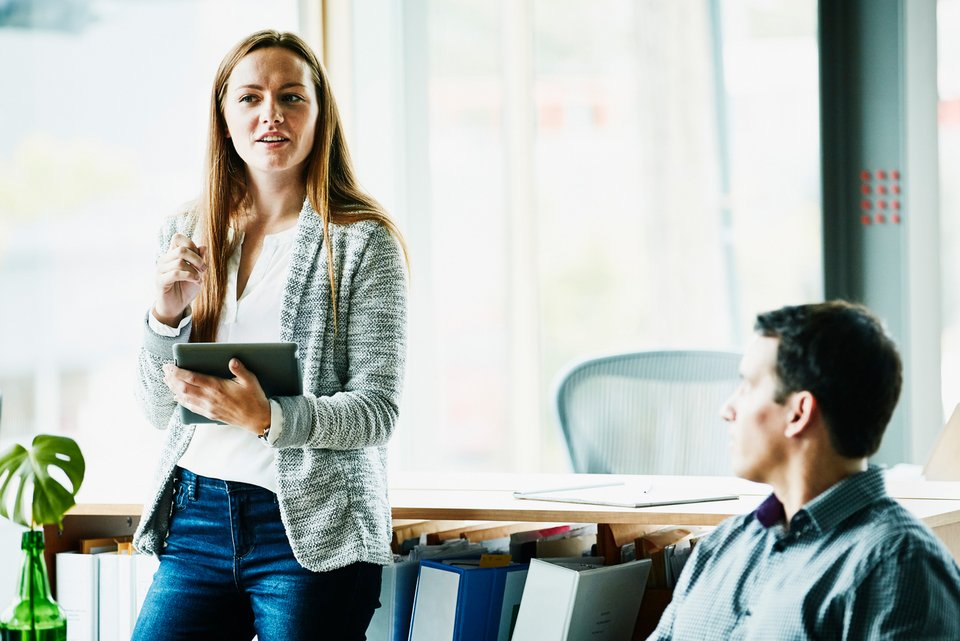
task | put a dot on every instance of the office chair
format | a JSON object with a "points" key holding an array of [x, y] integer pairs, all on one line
{"points": [[651, 412]]}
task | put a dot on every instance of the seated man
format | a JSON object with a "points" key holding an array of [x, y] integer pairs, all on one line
{"points": [[829, 555]]}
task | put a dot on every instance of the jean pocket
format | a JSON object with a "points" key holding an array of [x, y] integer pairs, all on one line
{"points": [[181, 494]]}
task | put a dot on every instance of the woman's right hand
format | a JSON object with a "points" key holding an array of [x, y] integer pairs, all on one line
{"points": [[179, 276]]}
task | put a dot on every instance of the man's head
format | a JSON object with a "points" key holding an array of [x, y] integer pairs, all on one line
{"points": [[833, 356]]}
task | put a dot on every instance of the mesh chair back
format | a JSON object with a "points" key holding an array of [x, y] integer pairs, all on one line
{"points": [[648, 412]]}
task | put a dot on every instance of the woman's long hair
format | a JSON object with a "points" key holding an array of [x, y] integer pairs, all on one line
{"points": [[332, 189]]}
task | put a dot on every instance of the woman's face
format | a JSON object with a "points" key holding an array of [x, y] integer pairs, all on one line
{"points": [[271, 111]]}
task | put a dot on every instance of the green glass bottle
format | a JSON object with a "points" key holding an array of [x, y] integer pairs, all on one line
{"points": [[33, 615]]}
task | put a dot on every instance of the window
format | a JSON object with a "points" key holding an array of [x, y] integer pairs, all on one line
{"points": [[581, 178], [948, 64], [105, 134], [573, 179]]}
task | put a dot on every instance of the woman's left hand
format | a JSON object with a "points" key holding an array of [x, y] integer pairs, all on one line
{"points": [[236, 401]]}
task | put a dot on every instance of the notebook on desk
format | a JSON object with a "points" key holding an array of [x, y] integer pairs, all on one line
{"points": [[619, 494]]}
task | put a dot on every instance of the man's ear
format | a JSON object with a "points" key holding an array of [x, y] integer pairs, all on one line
{"points": [[801, 409]]}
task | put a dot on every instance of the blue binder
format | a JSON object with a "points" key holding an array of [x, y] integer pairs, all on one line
{"points": [[456, 601]]}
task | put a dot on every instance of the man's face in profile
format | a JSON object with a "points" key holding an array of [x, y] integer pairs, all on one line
{"points": [[757, 422]]}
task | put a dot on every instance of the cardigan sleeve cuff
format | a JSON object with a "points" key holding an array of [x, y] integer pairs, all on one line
{"points": [[165, 330], [162, 346]]}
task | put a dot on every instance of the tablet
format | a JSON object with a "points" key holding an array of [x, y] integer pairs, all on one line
{"points": [[275, 365]]}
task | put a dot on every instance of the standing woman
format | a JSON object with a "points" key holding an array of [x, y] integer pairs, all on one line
{"points": [[276, 523]]}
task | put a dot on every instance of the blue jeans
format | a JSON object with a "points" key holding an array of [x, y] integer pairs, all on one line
{"points": [[227, 572]]}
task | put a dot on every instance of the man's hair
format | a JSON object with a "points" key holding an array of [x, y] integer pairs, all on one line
{"points": [[840, 353]]}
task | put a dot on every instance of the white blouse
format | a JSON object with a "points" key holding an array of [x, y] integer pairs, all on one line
{"points": [[217, 451]]}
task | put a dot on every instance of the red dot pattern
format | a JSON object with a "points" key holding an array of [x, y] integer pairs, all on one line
{"points": [[876, 188]]}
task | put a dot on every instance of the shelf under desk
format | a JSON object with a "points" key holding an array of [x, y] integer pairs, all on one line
{"points": [[489, 497]]}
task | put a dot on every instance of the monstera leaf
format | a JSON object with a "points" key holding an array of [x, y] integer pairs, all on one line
{"points": [[21, 469]]}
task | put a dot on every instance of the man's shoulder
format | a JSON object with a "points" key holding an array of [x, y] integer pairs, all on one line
{"points": [[886, 539], [887, 524]]}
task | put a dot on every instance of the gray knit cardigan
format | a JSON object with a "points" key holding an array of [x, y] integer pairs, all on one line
{"points": [[331, 455]]}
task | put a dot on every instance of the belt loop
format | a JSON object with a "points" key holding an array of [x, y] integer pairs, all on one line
{"points": [[193, 487]]}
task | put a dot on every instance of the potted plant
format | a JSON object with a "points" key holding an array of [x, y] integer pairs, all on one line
{"points": [[32, 497]]}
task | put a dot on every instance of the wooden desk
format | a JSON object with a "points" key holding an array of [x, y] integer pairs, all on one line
{"points": [[489, 497]]}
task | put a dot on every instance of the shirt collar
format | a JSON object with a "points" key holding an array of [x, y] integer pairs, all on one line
{"points": [[833, 506], [770, 511]]}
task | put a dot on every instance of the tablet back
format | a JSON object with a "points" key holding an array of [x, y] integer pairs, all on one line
{"points": [[275, 365]]}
